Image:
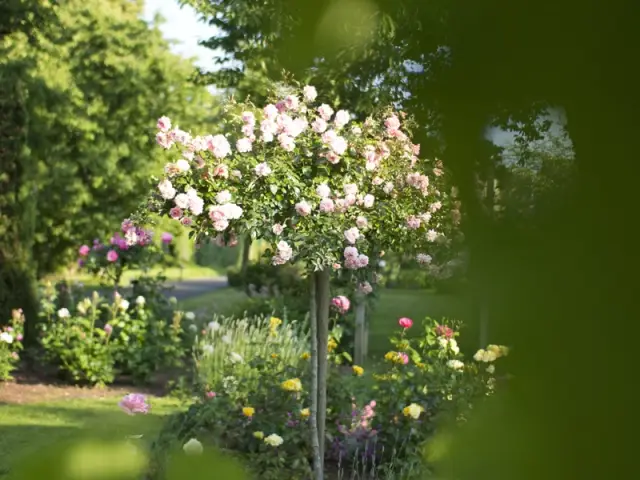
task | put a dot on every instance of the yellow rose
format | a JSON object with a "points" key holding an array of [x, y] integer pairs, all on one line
{"points": [[358, 370], [248, 411], [331, 346], [274, 355], [305, 412], [274, 322], [258, 435], [414, 410], [292, 385], [305, 356]]}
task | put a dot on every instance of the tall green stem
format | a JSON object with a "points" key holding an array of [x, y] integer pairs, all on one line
{"points": [[315, 443]]}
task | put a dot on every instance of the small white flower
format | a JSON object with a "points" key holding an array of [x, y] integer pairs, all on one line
{"points": [[455, 364], [190, 316], [124, 305], [192, 447], [183, 165], [235, 357], [140, 300], [207, 349], [63, 313], [214, 326], [6, 337], [491, 369], [226, 338], [274, 440], [382, 264]]}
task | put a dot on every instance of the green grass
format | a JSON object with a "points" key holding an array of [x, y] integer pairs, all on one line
{"points": [[220, 301], [189, 272], [28, 429]]}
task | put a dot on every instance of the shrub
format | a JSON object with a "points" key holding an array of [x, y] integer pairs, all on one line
{"points": [[11, 336], [377, 424]]}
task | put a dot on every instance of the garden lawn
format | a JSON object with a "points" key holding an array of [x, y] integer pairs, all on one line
{"points": [[415, 304], [32, 428], [175, 274], [221, 301]]}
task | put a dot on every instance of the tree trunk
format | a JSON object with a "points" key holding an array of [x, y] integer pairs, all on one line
{"points": [[360, 341], [246, 250], [313, 319], [323, 299], [483, 306]]}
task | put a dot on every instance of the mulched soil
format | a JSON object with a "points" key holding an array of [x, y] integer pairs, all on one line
{"points": [[30, 387]]}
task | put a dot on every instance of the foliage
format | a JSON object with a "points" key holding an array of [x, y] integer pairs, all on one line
{"points": [[92, 340], [378, 422], [236, 339], [11, 337], [109, 260]]}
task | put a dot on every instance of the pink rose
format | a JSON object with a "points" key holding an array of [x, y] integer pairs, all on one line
{"points": [[361, 222], [363, 260], [112, 255], [392, 123], [243, 145], [218, 145], [368, 200], [350, 252], [310, 93], [336, 266], [303, 208], [341, 303], [365, 288], [319, 125], [323, 190], [175, 213], [220, 225], [291, 102], [277, 228], [84, 250], [342, 118], [262, 169], [325, 111], [164, 124], [352, 235], [211, 394], [166, 237], [186, 221], [249, 118], [338, 145], [326, 205], [444, 331], [405, 322], [404, 357], [163, 140], [413, 222], [332, 157], [270, 112], [221, 171], [108, 329], [134, 403]]}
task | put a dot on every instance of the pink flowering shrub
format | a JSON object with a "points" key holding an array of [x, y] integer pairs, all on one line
{"points": [[11, 336], [131, 248], [134, 403], [319, 186]]}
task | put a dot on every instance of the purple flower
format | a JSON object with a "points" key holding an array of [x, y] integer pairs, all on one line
{"points": [[166, 237], [108, 329], [134, 403]]}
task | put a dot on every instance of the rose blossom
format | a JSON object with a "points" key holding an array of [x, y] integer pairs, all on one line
{"points": [[350, 200], [163, 140], [112, 255], [361, 222], [270, 112], [404, 358], [342, 118], [432, 235], [292, 102], [350, 252], [183, 165], [303, 208], [350, 188], [277, 228], [365, 288], [323, 190], [325, 111], [368, 200], [392, 123], [134, 403], [341, 303], [326, 205], [249, 118], [220, 225], [108, 329], [243, 145], [286, 142], [423, 258], [413, 222], [444, 331], [164, 124], [84, 250], [338, 145], [262, 169], [166, 237], [182, 200], [352, 235], [405, 322], [332, 157], [362, 261], [166, 189], [218, 145], [319, 125], [175, 212], [310, 93], [221, 171], [224, 196], [186, 221]]}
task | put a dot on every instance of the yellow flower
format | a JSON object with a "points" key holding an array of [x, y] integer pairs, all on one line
{"points": [[414, 410], [358, 370], [248, 411], [391, 356], [292, 385], [274, 322], [305, 356], [331, 346], [274, 355], [258, 435], [305, 412]]}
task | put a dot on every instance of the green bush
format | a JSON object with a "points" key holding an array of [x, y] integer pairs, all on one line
{"points": [[377, 424], [11, 337]]}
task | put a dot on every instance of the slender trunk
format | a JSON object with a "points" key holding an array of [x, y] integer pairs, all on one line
{"points": [[361, 331], [246, 250], [313, 319], [323, 299]]}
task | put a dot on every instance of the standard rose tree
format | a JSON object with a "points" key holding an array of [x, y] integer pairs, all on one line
{"points": [[324, 190]]}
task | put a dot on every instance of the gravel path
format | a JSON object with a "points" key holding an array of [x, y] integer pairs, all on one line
{"points": [[192, 288]]}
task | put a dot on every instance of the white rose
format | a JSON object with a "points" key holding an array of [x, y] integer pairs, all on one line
{"points": [[455, 364], [6, 337], [140, 300], [274, 440], [63, 313], [192, 447]]}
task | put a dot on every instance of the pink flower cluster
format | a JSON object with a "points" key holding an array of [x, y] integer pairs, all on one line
{"points": [[419, 181], [360, 421], [444, 331], [284, 253], [354, 260], [341, 303], [134, 403], [220, 215]]}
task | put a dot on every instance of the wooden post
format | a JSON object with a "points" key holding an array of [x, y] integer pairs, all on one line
{"points": [[360, 340], [323, 299], [313, 319]]}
